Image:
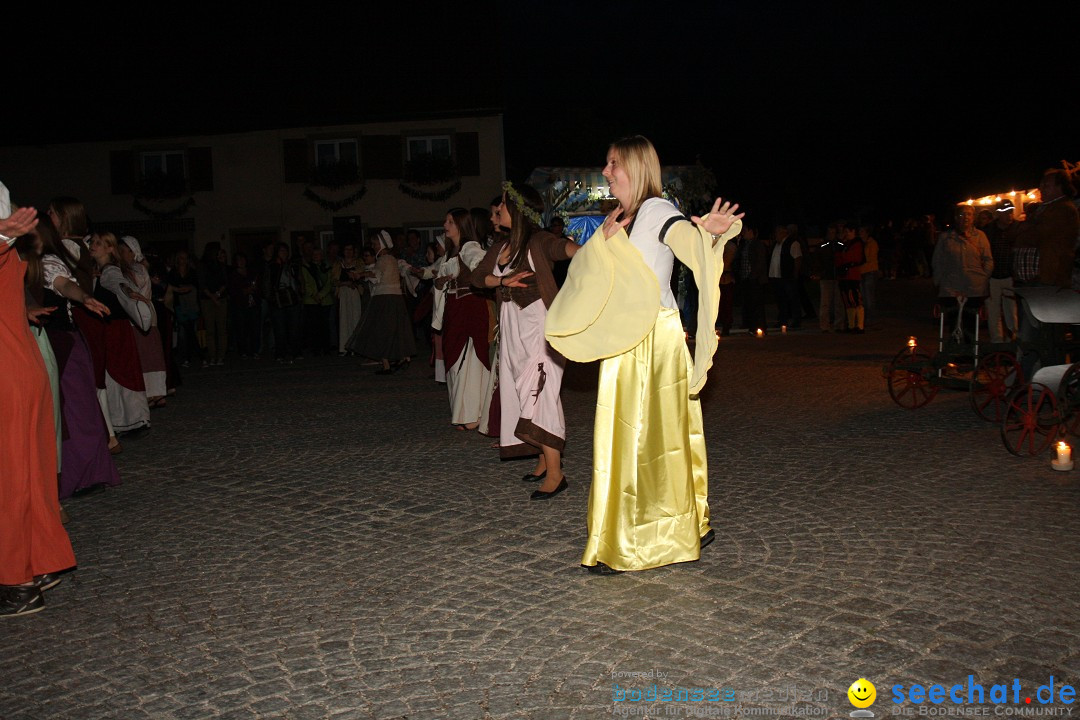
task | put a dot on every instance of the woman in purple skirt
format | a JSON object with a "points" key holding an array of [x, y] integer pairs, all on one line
{"points": [[85, 446]]}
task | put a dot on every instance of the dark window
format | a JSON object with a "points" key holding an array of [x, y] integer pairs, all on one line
{"points": [[437, 146]]}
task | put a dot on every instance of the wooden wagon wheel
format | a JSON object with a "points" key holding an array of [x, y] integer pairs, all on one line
{"points": [[992, 382], [909, 379], [1031, 419]]}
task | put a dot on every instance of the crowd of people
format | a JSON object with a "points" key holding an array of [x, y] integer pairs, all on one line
{"points": [[845, 265], [979, 255], [95, 334]]}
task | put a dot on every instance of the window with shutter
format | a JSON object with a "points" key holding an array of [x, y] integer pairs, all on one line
{"points": [[162, 173], [437, 146], [336, 163]]}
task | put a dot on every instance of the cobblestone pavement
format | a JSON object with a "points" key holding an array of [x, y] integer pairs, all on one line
{"points": [[314, 541]]}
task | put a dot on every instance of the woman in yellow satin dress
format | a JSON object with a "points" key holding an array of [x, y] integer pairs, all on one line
{"points": [[648, 505]]}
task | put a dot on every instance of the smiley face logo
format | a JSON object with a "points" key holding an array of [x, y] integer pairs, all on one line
{"points": [[862, 693]]}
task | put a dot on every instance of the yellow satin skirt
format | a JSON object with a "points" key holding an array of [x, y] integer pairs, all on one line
{"points": [[649, 502]]}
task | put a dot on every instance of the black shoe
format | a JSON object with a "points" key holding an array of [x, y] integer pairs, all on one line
{"points": [[83, 492], [601, 569], [539, 495], [708, 538], [134, 434], [533, 478], [47, 581], [20, 600]]}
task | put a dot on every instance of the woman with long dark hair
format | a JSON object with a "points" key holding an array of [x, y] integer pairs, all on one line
{"points": [[465, 320], [490, 418], [519, 266], [73, 224], [85, 458], [649, 504]]}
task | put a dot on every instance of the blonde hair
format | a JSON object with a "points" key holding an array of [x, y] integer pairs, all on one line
{"points": [[113, 245], [638, 158]]}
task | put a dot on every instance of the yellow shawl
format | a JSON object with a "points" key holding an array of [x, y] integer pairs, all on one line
{"points": [[595, 317]]}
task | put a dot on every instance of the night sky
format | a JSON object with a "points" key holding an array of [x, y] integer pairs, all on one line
{"points": [[805, 111]]}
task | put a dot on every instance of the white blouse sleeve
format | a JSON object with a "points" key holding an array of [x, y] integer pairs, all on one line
{"points": [[53, 267], [471, 254]]}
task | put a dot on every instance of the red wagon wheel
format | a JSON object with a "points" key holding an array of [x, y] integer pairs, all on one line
{"points": [[909, 378], [992, 382], [1069, 397], [1031, 420]]}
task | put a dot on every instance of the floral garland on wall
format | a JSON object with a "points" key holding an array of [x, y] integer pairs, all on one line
{"points": [[334, 205], [427, 170], [176, 212], [436, 196]]}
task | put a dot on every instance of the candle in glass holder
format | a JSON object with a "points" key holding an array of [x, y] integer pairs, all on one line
{"points": [[1063, 457], [783, 328], [760, 332]]}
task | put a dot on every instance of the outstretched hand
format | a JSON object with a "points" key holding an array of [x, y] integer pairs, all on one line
{"points": [[96, 306], [720, 218], [19, 222], [612, 224], [38, 315], [516, 279]]}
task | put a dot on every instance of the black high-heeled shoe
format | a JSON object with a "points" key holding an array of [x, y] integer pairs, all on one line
{"points": [[708, 538], [541, 495], [533, 478], [601, 569]]}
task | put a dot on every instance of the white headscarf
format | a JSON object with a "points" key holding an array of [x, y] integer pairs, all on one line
{"points": [[133, 244], [5, 201], [383, 241]]}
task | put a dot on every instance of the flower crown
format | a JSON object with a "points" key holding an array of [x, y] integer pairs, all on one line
{"points": [[527, 211]]}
